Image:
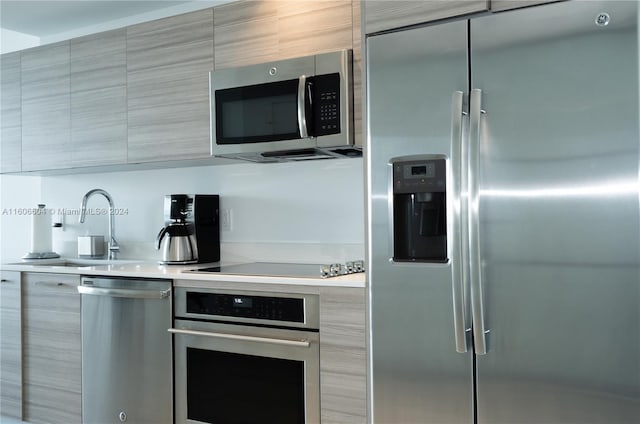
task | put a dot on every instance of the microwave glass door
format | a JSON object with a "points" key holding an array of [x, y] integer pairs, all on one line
{"points": [[257, 113]]}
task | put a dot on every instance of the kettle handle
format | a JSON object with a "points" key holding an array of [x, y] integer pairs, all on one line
{"points": [[161, 234]]}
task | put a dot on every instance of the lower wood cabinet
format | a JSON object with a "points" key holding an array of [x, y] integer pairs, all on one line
{"points": [[10, 346], [343, 358], [51, 348]]}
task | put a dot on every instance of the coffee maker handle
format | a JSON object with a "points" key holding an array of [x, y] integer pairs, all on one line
{"points": [[161, 234]]}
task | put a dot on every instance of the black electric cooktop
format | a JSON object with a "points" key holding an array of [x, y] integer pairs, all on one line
{"points": [[274, 269]]}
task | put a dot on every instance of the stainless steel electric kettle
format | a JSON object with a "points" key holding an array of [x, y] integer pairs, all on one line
{"points": [[177, 243]]}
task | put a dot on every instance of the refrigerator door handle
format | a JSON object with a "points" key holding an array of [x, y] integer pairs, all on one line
{"points": [[457, 243], [475, 271]]}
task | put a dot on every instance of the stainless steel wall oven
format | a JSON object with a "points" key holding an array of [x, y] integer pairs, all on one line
{"points": [[246, 357]]}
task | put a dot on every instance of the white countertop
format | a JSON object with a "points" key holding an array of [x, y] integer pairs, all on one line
{"points": [[149, 269]]}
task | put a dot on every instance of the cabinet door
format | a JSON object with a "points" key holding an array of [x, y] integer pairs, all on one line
{"points": [[254, 32], [343, 358], [51, 348], [99, 99], [168, 65], [10, 346], [10, 113], [382, 15], [46, 115]]}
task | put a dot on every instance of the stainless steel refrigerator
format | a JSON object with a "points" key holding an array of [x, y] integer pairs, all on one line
{"points": [[503, 218]]}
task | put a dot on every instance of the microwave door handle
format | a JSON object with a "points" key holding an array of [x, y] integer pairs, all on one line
{"points": [[302, 101]]}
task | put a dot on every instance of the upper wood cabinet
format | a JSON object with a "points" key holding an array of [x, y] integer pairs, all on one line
{"points": [[10, 113], [10, 345], [141, 93], [249, 32], [99, 99], [168, 65], [382, 15], [46, 117]]}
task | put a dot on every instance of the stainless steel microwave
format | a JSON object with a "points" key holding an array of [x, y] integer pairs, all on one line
{"points": [[294, 109]]}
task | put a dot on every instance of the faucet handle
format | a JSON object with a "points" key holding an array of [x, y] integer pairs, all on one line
{"points": [[113, 251]]}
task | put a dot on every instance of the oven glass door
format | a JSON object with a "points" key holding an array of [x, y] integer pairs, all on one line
{"points": [[257, 113], [237, 374]]}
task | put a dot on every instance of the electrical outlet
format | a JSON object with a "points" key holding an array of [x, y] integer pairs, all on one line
{"points": [[225, 219]]}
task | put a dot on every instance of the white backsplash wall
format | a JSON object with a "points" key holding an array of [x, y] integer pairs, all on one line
{"points": [[18, 194], [311, 211]]}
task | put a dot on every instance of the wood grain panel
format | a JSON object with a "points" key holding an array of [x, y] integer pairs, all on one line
{"points": [[168, 64], [51, 348], [312, 27], [343, 355], [10, 345], [46, 108], [52, 406], [99, 99], [250, 32], [10, 113], [388, 14], [245, 32], [358, 74]]}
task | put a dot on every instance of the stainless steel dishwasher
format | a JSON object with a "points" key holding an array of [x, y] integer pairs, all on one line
{"points": [[126, 351]]}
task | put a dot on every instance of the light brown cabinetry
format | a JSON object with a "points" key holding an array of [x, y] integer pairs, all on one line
{"points": [[46, 117], [382, 15], [10, 113], [249, 32], [168, 64], [343, 359], [10, 346], [99, 99], [51, 348]]}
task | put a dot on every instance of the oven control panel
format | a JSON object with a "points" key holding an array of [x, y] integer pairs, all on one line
{"points": [[246, 306]]}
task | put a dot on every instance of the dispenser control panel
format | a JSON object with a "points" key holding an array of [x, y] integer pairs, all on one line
{"points": [[420, 208], [422, 175]]}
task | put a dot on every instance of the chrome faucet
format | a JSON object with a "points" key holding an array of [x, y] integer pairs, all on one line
{"points": [[114, 248]]}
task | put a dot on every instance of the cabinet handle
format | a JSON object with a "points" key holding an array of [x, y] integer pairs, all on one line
{"points": [[4, 281]]}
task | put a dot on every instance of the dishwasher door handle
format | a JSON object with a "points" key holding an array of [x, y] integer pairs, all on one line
{"points": [[134, 294], [298, 343]]}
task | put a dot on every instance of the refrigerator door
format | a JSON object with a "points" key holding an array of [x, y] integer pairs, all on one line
{"points": [[558, 213], [416, 374]]}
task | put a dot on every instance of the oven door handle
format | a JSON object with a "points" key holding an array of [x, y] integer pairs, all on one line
{"points": [[297, 343]]}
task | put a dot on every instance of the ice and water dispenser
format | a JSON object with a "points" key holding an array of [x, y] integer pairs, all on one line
{"points": [[419, 209]]}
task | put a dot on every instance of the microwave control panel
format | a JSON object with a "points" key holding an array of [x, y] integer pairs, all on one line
{"points": [[326, 107]]}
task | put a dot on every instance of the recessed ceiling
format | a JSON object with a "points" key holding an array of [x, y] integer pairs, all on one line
{"points": [[47, 18]]}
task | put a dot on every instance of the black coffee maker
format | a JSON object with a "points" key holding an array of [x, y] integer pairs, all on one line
{"points": [[192, 231]]}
